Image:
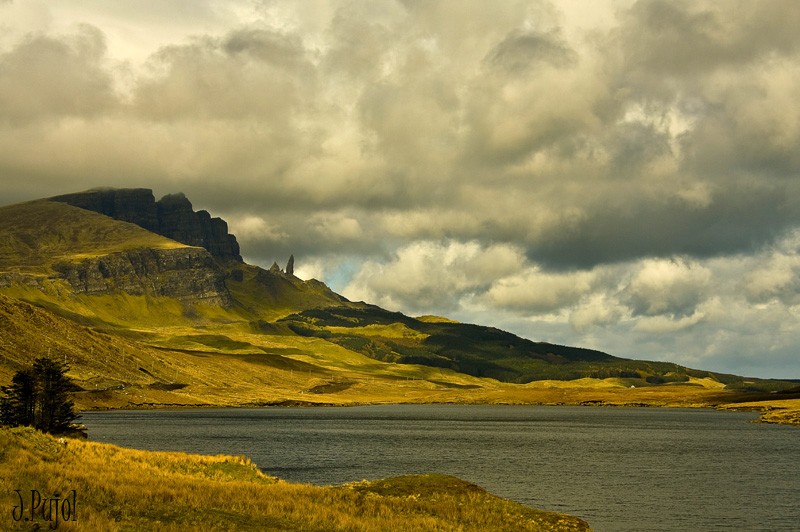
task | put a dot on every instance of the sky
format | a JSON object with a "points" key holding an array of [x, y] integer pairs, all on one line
{"points": [[619, 175]]}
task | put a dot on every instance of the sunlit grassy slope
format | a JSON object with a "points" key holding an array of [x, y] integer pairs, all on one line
{"points": [[266, 296], [37, 233], [286, 341], [124, 489]]}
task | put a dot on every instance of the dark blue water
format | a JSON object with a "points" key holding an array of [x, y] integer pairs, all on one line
{"points": [[618, 468]]}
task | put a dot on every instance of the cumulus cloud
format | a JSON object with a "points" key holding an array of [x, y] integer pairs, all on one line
{"points": [[536, 292], [665, 324], [245, 75], [597, 311], [667, 287], [254, 228], [430, 275], [776, 277], [591, 179]]}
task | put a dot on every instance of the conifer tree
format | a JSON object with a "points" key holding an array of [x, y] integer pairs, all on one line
{"points": [[19, 401], [39, 396], [54, 409]]}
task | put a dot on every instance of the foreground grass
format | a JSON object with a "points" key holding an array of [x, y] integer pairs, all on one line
{"points": [[124, 489]]}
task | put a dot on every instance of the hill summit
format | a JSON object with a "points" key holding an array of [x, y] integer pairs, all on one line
{"points": [[172, 216]]}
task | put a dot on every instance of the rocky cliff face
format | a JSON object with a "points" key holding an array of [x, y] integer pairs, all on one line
{"points": [[172, 216], [185, 274], [134, 205]]}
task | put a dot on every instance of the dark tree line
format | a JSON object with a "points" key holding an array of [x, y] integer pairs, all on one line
{"points": [[39, 396]]}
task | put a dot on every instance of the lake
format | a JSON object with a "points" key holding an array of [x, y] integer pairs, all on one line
{"points": [[618, 468]]}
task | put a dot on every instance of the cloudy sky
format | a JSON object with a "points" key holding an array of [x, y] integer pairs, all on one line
{"points": [[620, 175]]}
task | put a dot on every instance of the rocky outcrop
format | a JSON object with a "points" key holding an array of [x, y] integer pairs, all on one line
{"points": [[186, 274], [178, 221], [172, 216]]}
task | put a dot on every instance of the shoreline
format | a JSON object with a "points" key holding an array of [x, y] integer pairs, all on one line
{"points": [[768, 413]]}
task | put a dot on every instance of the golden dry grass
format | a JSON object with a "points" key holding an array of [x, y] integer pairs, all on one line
{"points": [[36, 233], [124, 489], [782, 411]]}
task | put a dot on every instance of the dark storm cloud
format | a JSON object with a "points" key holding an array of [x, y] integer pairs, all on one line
{"points": [[582, 155], [667, 37], [524, 50], [736, 220]]}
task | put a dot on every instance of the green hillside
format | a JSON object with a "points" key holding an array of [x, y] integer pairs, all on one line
{"points": [[473, 349], [266, 295], [36, 234]]}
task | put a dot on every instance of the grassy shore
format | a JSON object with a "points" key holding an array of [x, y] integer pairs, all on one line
{"points": [[125, 489], [783, 412]]}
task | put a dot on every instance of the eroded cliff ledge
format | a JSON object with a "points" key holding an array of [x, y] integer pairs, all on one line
{"points": [[186, 274]]}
